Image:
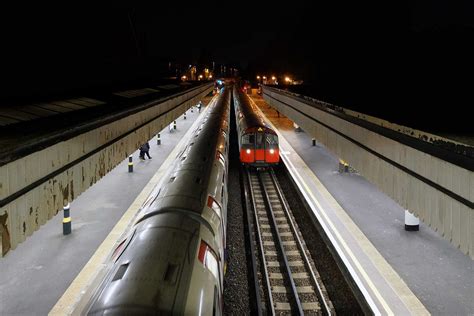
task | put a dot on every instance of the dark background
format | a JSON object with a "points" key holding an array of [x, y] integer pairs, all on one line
{"points": [[403, 61]]}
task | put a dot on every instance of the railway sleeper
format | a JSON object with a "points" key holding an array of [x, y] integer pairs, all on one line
{"points": [[310, 306], [300, 289], [296, 276]]}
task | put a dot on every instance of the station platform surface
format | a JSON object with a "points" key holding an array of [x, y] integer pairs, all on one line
{"points": [[35, 276], [402, 272]]}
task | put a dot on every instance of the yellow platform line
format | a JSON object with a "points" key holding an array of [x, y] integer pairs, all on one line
{"points": [[76, 297]]}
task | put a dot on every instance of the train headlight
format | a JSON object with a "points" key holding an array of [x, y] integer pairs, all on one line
{"points": [[272, 151], [248, 151]]}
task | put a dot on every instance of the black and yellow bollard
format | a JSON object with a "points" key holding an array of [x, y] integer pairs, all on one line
{"points": [[174, 125], [67, 220], [314, 142], [130, 163], [192, 109], [158, 139], [184, 115]]}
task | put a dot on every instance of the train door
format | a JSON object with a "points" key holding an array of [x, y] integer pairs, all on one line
{"points": [[247, 154], [271, 148], [260, 146]]}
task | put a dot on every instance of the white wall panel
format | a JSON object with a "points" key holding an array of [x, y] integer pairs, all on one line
{"points": [[443, 213]]}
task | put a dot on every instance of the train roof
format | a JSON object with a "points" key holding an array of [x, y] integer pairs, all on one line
{"points": [[190, 176], [252, 120]]}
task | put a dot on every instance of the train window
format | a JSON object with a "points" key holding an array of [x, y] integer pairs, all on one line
{"points": [[252, 139], [214, 205], [171, 273], [248, 139], [120, 271], [260, 143], [271, 140], [208, 258]]}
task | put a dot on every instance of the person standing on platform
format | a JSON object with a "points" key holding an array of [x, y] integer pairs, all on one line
{"points": [[144, 150]]}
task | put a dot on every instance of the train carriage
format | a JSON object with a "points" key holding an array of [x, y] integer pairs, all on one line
{"points": [[173, 260], [258, 142]]}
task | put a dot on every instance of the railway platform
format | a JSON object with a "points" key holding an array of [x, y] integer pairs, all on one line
{"points": [[399, 272], [51, 272]]}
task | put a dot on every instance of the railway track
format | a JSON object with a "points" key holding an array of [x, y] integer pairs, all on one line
{"points": [[287, 281]]}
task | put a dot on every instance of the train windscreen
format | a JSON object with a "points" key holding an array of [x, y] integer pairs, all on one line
{"points": [[271, 141], [248, 141]]}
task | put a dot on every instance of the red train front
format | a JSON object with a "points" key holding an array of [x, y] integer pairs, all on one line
{"points": [[258, 143]]}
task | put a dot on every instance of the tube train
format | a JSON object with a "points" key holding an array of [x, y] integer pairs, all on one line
{"points": [[258, 143], [172, 261]]}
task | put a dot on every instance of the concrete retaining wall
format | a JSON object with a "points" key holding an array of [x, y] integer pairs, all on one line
{"points": [[104, 148], [393, 172]]}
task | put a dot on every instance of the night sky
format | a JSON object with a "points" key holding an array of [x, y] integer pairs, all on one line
{"points": [[356, 55]]}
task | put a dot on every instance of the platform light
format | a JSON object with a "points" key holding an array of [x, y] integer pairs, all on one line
{"points": [[258, 77], [264, 77], [273, 78], [184, 78], [210, 76]]}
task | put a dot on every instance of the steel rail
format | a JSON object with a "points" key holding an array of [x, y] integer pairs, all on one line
{"points": [[262, 253], [286, 208], [280, 244]]}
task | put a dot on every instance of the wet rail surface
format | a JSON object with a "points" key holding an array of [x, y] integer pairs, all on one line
{"points": [[288, 280]]}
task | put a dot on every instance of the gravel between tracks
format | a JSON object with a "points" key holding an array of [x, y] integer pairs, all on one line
{"points": [[236, 280]]}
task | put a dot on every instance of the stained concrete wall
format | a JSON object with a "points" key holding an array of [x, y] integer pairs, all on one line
{"points": [[448, 216], [21, 217]]}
